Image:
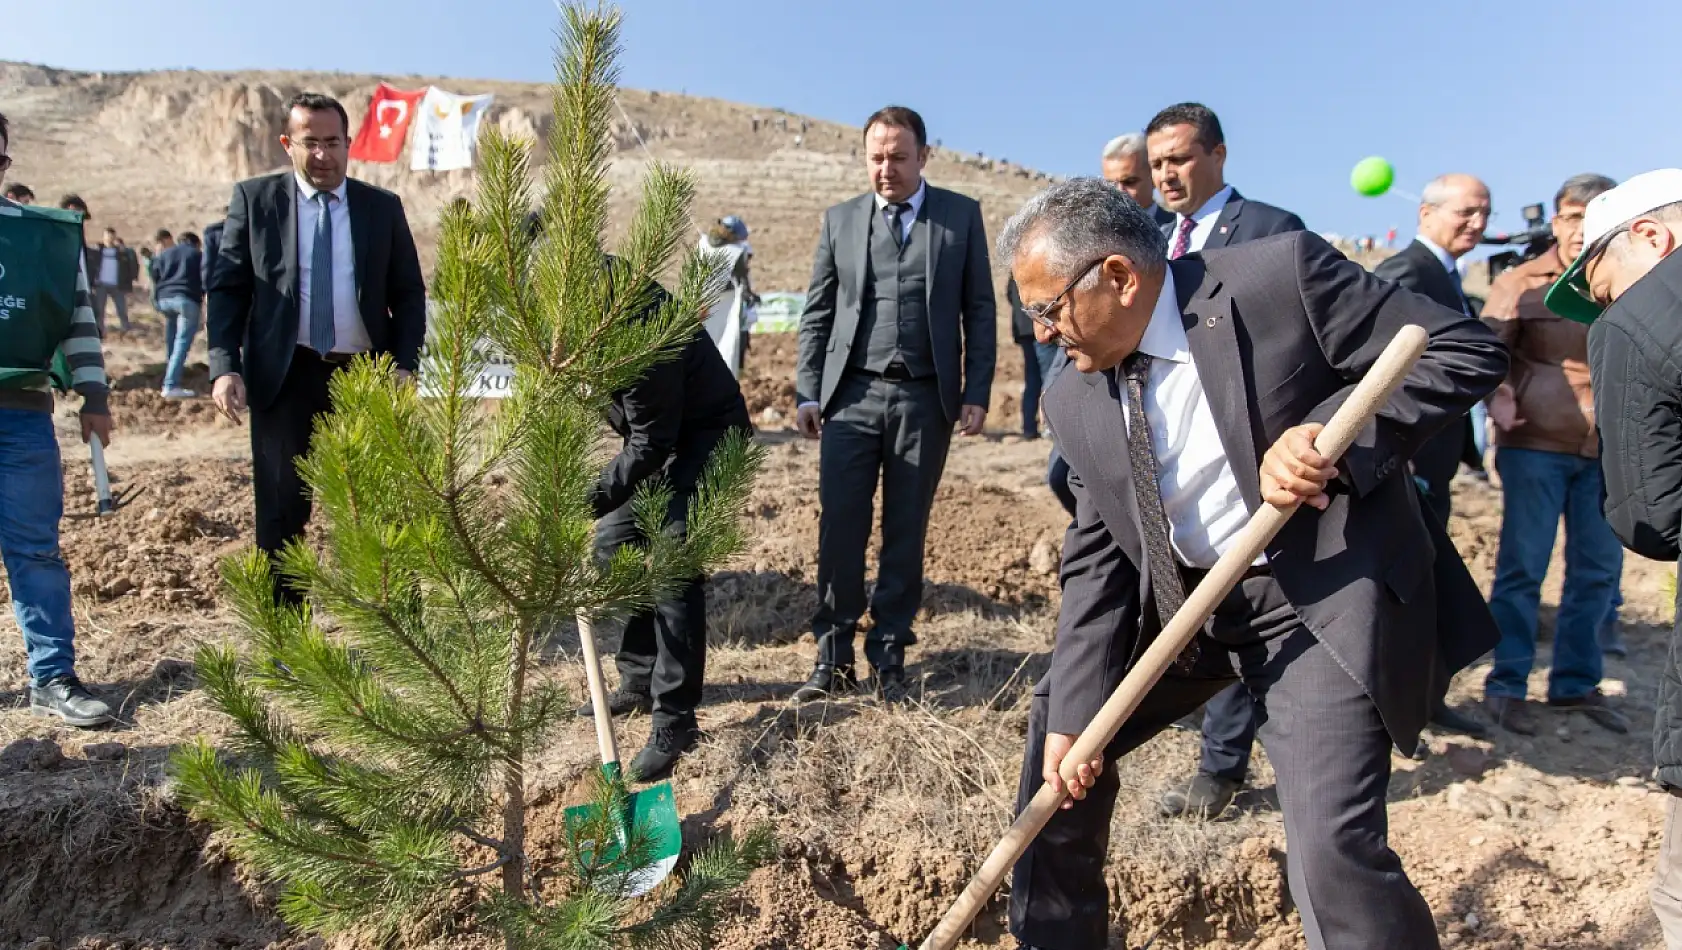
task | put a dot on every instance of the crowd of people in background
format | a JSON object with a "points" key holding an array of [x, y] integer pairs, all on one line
{"points": [[897, 354]]}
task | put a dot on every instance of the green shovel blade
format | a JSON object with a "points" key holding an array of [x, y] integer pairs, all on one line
{"points": [[651, 813]]}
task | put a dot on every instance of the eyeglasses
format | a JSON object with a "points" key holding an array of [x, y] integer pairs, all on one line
{"points": [[1042, 315], [1571, 217], [5, 162], [1467, 214]]}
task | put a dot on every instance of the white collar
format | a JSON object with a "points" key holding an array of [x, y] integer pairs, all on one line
{"points": [[1165, 335], [916, 199], [1443, 257], [308, 191], [1213, 206]]}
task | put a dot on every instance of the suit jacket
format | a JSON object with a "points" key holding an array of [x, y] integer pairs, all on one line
{"points": [[1418, 269], [1281, 329], [1242, 219], [670, 420], [1164, 218], [252, 314], [960, 298]]}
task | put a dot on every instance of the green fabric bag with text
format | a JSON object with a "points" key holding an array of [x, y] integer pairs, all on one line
{"points": [[40, 252]]}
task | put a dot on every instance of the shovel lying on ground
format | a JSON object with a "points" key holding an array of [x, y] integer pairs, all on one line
{"points": [[651, 812], [1363, 403]]}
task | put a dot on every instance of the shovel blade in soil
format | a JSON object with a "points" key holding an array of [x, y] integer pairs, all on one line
{"points": [[652, 812]]}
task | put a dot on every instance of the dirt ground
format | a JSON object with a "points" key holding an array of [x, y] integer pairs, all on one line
{"points": [[882, 812]]}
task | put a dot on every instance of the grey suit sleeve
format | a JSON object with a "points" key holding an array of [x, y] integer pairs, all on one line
{"points": [[228, 298], [981, 331], [1098, 619], [405, 293], [818, 319], [1640, 419], [1353, 315]]}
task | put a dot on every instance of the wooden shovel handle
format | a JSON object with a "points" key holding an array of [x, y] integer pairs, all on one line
{"points": [[598, 694], [1368, 397]]}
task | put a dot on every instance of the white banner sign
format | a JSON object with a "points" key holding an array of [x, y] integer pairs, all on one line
{"points": [[448, 132], [779, 312]]}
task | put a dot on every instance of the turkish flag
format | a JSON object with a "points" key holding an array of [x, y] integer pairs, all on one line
{"points": [[386, 125]]}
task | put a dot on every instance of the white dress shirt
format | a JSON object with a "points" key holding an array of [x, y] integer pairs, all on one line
{"points": [[1205, 220], [1199, 490], [1443, 257], [910, 217], [349, 335]]}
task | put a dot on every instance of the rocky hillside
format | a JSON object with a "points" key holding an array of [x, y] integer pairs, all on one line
{"points": [[162, 149]]}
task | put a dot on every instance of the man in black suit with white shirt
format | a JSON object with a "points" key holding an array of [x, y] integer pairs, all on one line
{"points": [[314, 269], [1213, 374]]}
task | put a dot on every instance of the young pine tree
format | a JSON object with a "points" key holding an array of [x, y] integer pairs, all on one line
{"points": [[382, 767]]}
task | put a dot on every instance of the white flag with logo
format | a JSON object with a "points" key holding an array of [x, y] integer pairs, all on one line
{"points": [[449, 130]]}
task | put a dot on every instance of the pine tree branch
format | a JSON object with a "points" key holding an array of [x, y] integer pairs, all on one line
{"points": [[496, 865]]}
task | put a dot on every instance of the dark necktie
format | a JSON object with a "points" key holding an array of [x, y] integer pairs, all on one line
{"points": [[321, 278], [895, 211], [1153, 521], [1459, 290], [1182, 239]]}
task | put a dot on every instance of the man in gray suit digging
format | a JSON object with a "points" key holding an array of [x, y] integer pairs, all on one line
{"points": [[896, 348]]}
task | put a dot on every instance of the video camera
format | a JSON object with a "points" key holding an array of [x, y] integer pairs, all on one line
{"points": [[1536, 239]]}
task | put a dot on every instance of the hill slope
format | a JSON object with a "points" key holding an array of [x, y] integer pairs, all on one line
{"points": [[162, 149]]}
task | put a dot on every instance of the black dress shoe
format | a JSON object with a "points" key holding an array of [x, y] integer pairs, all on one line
{"points": [[66, 698], [665, 746], [826, 681], [890, 685], [1450, 720], [1208, 796], [620, 702]]}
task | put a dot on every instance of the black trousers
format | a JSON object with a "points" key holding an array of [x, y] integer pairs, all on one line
{"points": [[280, 435], [896, 433], [1331, 753], [663, 651]]}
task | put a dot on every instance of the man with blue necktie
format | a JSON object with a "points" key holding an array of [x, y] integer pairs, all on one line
{"points": [[314, 269]]}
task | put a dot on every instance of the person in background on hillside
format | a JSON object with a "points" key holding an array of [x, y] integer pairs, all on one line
{"points": [[164, 240], [283, 319], [1627, 283], [117, 269], [1033, 371], [18, 193], [887, 369], [32, 504], [178, 287], [212, 241], [1547, 453], [726, 243], [1187, 151]]}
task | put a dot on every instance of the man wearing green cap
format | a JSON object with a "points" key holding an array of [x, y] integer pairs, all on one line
{"points": [[1628, 284]]}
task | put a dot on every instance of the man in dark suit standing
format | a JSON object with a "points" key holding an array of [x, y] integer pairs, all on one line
{"points": [[1453, 213], [896, 347], [1200, 386], [670, 421], [314, 269], [1188, 164]]}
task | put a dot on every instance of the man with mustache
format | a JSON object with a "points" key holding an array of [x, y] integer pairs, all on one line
{"points": [[314, 269]]}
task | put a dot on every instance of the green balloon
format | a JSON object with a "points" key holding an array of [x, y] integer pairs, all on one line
{"points": [[1372, 176]]}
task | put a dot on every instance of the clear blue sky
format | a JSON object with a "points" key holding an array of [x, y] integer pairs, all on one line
{"points": [[1522, 94]]}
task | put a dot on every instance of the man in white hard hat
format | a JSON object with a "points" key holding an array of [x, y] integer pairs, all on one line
{"points": [[1628, 284]]}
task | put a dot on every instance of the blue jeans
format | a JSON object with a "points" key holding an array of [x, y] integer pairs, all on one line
{"points": [[181, 324], [1539, 487], [31, 504]]}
